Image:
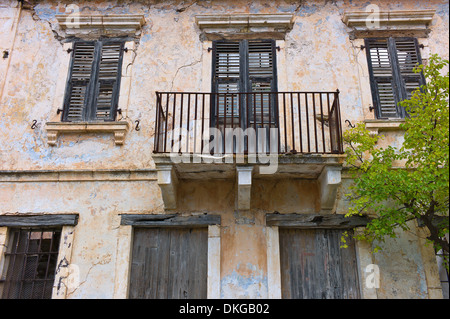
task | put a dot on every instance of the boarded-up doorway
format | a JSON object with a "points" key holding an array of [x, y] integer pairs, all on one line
{"points": [[169, 263], [313, 266]]}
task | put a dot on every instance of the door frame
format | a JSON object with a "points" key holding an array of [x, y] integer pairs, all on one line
{"points": [[125, 246]]}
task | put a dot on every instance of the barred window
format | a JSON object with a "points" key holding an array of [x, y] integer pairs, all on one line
{"points": [[31, 263]]}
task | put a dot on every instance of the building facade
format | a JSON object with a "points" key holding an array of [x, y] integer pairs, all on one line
{"points": [[193, 149]]}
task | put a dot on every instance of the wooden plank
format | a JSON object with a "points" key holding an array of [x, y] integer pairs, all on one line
{"points": [[168, 220], [169, 263], [314, 266], [42, 220], [334, 221]]}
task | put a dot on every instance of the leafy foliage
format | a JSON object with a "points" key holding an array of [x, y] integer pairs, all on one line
{"points": [[411, 182]]}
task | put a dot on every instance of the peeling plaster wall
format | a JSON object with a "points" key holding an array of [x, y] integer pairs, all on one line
{"points": [[170, 56], [319, 47]]}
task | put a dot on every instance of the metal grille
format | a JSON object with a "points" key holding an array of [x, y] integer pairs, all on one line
{"points": [[31, 263]]}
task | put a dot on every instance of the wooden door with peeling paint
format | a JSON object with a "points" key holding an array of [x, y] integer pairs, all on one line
{"points": [[313, 266], [169, 263]]}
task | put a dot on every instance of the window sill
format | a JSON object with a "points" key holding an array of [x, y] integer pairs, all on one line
{"points": [[54, 129], [375, 126]]}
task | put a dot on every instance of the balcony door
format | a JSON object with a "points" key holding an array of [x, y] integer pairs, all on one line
{"points": [[244, 79]]}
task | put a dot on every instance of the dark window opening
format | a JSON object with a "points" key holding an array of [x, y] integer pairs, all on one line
{"points": [[31, 263]]}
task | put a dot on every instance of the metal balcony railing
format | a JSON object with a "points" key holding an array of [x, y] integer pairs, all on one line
{"points": [[222, 123]]}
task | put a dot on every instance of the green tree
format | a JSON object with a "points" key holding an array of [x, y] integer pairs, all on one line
{"points": [[396, 185]]}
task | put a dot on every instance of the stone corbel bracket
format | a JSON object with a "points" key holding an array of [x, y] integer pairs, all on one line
{"points": [[245, 26], [389, 23], [244, 186], [168, 183], [119, 129], [329, 182], [82, 25]]}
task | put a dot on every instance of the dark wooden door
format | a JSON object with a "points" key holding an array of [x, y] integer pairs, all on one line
{"points": [[169, 263], [313, 266]]}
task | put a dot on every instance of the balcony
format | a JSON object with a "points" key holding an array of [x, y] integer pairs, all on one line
{"points": [[270, 122], [244, 136]]}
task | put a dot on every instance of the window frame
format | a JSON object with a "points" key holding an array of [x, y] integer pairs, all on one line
{"points": [[398, 84], [92, 90], [9, 289], [245, 80]]}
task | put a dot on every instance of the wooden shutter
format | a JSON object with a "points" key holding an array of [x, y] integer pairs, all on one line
{"points": [[408, 57], [261, 75], [169, 263], [94, 81], [77, 94], [108, 81], [226, 79], [313, 266], [384, 86], [244, 66], [391, 63]]}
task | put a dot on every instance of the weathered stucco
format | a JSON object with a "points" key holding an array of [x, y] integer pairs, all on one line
{"points": [[170, 54]]}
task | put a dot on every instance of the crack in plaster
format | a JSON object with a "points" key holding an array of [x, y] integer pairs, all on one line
{"points": [[101, 262], [186, 66]]}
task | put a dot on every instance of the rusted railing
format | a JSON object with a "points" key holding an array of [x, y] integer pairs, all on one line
{"points": [[284, 122]]}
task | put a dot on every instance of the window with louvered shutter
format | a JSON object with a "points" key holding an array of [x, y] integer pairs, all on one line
{"points": [[261, 77], [93, 87], [408, 57], [83, 57], [243, 67], [391, 63], [227, 73]]}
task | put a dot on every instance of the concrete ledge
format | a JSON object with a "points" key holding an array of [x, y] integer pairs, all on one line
{"points": [[77, 175], [54, 129], [82, 25], [194, 166], [375, 126], [404, 22], [245, 26]]}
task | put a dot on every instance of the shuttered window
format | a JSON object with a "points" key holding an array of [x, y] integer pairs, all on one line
{"points": [[243, 67], [391, 63], [94, 80]]}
